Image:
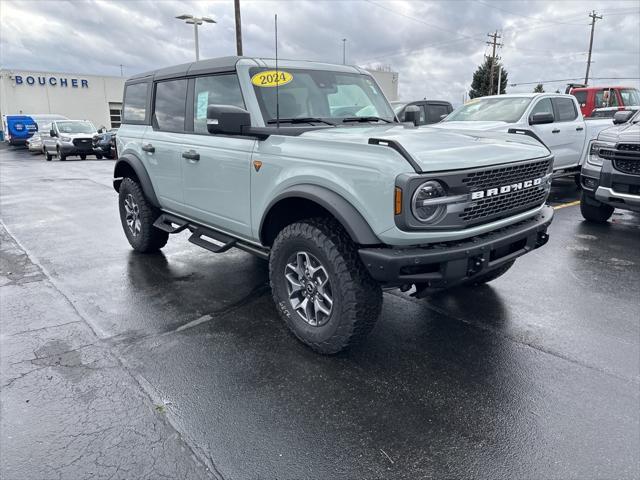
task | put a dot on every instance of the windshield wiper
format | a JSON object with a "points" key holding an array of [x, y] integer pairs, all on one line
{"points": [[301, 120], [365, 119]]}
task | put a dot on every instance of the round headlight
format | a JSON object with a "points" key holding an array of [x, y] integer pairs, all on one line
{"points": [[421, 206]]}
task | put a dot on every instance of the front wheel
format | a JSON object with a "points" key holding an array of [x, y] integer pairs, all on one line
{"points": [[320, 286], [594, 211], [137, 216], [83, 157], [47, 155], [98, 156], [61, 156]]}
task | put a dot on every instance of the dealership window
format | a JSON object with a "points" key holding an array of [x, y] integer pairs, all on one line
{"points": [[115, 114], [135, 102], [214, 90], [566, 109], [169, 109]]}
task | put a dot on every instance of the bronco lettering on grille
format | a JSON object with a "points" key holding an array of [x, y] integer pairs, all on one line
{"points": [[514, 187]]}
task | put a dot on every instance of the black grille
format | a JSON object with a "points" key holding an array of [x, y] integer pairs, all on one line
{"points": [[482, 179], [82, 142], [626, 158], [506, 203]]}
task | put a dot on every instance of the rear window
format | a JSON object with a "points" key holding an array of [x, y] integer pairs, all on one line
{"points": [[135, 103], [566, 109]]}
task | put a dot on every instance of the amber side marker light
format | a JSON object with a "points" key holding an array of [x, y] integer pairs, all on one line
{"points": [[398, 201]]}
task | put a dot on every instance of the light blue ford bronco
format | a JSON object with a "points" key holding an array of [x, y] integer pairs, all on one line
{"points": [[305, 164]]}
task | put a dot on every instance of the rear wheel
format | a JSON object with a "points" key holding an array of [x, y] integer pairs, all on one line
{"points": [[320, 286], [99, 157], [594, 211], [137, 216], [83, 157]]}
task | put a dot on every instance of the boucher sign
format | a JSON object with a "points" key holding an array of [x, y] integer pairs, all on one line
{"points": [[52, 81]]}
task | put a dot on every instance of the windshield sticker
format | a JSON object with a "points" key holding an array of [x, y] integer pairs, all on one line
{"points": [[203, 101], [271, 78]]}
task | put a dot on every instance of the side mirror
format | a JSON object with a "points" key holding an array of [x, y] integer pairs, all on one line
{"points": [[52, 133], [541, 118], [622, 116], [227, 119], [412, 114]]}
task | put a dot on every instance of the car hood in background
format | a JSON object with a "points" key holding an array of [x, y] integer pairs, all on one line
{"points": [[437, 149], [471, 125], [627, 132]]}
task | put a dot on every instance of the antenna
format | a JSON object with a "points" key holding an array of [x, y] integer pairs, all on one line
{"points": [[277, 77]]}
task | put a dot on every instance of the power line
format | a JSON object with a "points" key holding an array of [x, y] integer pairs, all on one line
{"points": [[574, 78]]}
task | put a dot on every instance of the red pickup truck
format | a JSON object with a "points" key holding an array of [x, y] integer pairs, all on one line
{"points": [[599, 97]]}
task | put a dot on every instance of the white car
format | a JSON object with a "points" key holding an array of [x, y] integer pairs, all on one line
{"points": [[553, 119], [67, 138]]}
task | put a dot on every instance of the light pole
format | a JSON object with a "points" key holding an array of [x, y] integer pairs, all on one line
{"points": [[344, 51], [195, 21]]}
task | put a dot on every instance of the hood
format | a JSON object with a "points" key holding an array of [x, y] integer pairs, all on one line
{"points": [[627, 132], [78, 135], [471, 125], [437, 149]]}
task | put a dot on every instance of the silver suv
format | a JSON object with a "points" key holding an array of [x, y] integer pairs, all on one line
{"points": [[307, 167]]}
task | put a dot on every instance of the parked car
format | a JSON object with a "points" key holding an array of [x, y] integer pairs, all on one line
{"points": [[611, 176], [317, 178], [18, 129], [68, 138], [34, 143], [429, 111], [104, 144], [551, 118], [590, 98]]}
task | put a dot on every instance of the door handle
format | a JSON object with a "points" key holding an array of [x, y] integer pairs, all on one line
{"points": [[191, 155], [579, 129], [148, 148], [555, 131]]}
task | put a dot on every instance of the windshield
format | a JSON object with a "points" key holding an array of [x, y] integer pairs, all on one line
{"points": [[328, 95], [630, 96], [75, 127], [494, 109]]}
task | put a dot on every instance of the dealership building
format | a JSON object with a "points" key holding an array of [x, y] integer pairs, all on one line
{"points": [[76, 96], [91, 97]]}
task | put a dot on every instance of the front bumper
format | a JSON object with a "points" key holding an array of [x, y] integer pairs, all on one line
{"points": [[71, 149], [611, 187], [446, 264]]}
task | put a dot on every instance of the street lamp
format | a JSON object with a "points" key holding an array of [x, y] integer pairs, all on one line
{"points": [[195, 21]]}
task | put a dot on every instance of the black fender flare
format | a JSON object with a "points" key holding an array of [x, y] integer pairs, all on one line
{"points": [[350, 218], [123, 165], [528, 133]]}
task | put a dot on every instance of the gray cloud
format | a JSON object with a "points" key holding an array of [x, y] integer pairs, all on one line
{"points": [[435, 45]]}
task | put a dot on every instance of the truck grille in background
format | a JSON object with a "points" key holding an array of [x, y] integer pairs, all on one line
{"points": [[510, 203], [506, 175], [626, 158]]}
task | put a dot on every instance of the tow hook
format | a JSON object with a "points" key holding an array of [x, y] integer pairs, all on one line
{"points": [[543, 237], [475, 265]]}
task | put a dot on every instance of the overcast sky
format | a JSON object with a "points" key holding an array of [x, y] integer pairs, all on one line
{"points": [[434, 45]]}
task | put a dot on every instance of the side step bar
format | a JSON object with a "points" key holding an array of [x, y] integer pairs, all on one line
{"points": [[173, 224]]}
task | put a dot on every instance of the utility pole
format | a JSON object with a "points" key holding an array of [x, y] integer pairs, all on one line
{"points": [[594, 16], [236, 4], [121, 73], [494, 43], [344, 51]]}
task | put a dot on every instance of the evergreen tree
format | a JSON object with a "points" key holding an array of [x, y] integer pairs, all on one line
{"points": [[539, 88], [482, 80]]}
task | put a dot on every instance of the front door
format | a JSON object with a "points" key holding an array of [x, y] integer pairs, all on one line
{"points": [[216, 168]]}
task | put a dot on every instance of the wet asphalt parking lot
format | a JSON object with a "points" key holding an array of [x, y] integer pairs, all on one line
{"points": [[120, 365]]}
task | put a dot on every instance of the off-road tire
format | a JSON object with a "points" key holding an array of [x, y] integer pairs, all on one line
{"points": [[357, 298], [594, 211], [149, 239], [61, 156], [489, 276]]}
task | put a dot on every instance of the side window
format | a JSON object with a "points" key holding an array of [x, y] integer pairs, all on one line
{"points": [[566, 109], [170, 105], [543, 106], [135, 103], [606, 98], [423, 114], [434, 112], [581, 96], [214, 90]]}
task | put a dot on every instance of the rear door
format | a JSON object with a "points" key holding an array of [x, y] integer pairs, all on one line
{"points": [[162, 144], [571, 133]]}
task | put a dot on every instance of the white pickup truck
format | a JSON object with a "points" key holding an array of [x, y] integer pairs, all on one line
{"points": [[553, 119]]}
